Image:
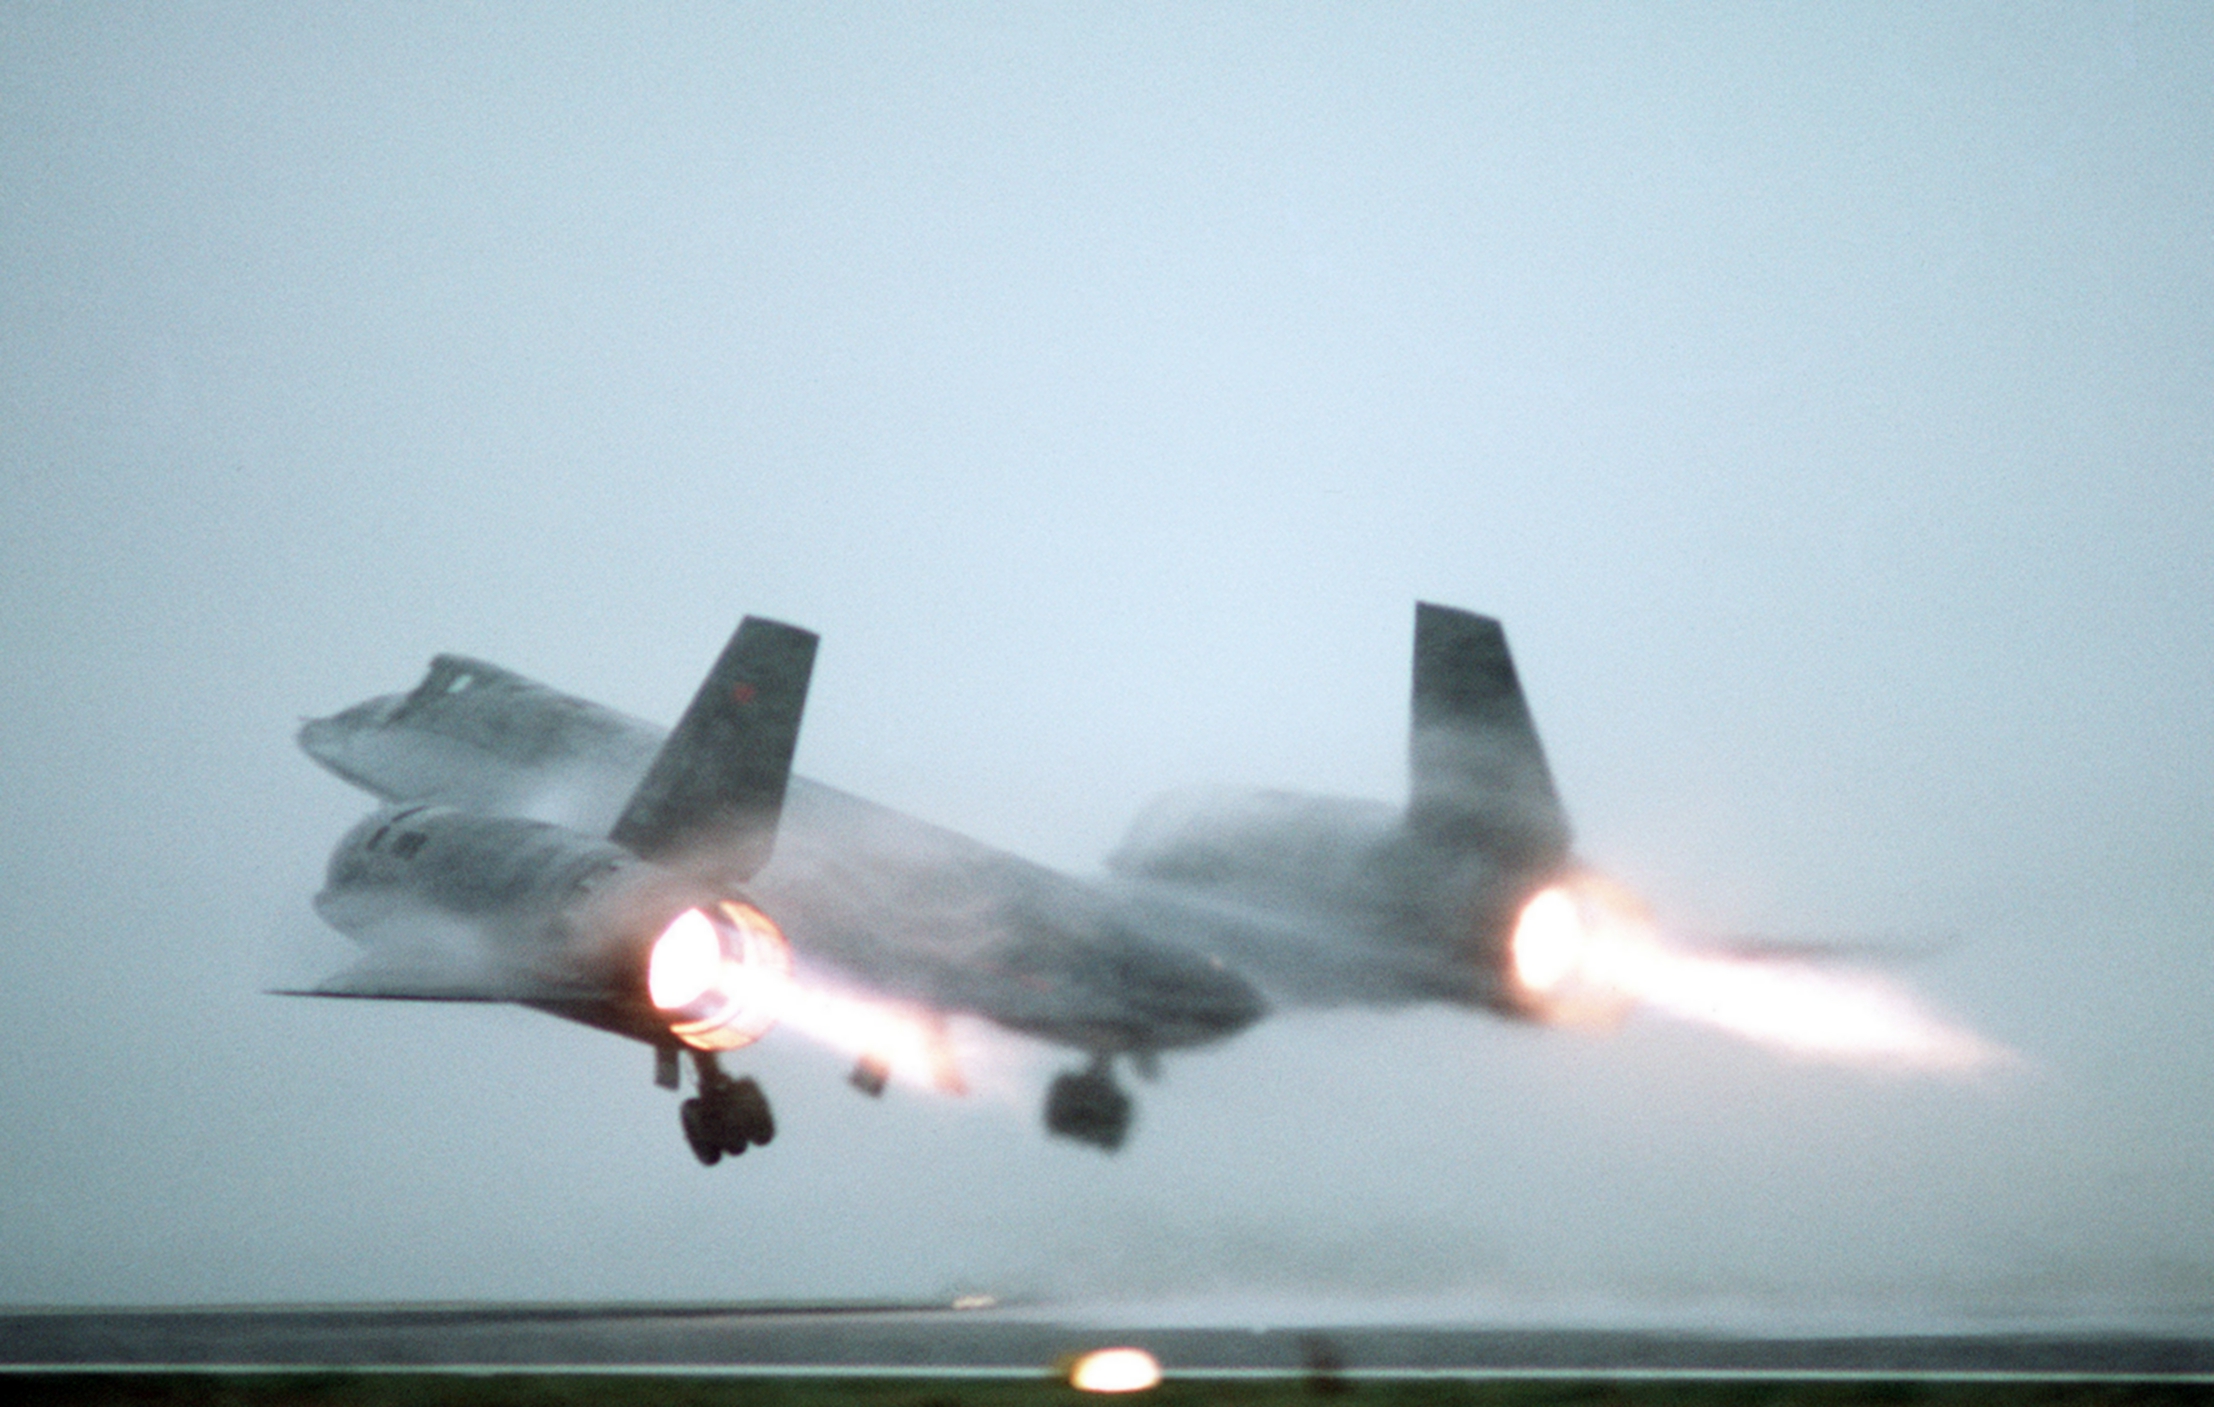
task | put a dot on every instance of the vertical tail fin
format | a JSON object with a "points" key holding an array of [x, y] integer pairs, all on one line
{"points": [[716, 787], [1478, 773]]}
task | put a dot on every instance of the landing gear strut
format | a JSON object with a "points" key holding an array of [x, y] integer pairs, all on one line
{"points": [[1088, 1106], [727, 1116]]}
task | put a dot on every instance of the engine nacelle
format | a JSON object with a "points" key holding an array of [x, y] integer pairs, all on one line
{"points": [[719, 974]]}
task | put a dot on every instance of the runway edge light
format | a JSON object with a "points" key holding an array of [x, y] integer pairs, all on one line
{"points": [[1115, 1370]]}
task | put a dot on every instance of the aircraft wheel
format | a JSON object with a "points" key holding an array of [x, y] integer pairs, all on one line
{"points": [[726, 1119], [1088, 1107], [749, 1112], [728, 1133], [705, 1147]]}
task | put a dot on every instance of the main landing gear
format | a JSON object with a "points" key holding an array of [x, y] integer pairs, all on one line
{"points": [[1088, 1106], [727, 1116]]}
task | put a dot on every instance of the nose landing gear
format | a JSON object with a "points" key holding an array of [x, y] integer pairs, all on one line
{"points": [[727, 1116], [1088, 1106]]}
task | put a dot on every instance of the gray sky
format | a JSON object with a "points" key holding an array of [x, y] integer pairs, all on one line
{"points": [[1823, 402]]}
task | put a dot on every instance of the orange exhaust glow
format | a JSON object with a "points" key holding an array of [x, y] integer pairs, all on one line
{"points": [[1115, 1370], [722, 979], [1549, 940], [722, 976], [687, 960], [913, 1047], [1586, 948]]}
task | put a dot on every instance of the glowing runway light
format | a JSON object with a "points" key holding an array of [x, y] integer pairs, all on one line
{"points": [[1115, 1370]]}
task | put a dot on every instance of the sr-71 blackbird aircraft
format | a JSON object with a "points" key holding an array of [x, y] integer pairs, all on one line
{"points": [[686, 890]]}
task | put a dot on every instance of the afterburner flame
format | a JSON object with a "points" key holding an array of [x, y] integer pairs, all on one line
{"points": [[723, 979], [913, 1047], [1115, 1370], [1568, 942], [686, 960], [1586, 947], [1548, 940], [722, 976]]}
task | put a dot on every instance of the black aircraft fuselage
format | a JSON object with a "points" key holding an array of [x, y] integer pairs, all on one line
{"points": [[510, 800]]}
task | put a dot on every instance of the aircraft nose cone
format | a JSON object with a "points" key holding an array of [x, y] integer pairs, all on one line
{"points": [[332, 740], [1235, 1003], [320, 737], [1212, 1002]]}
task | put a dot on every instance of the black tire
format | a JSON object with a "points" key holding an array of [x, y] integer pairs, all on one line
{"points": [[1087, 1106], [693, 1116], [723, 1119], [750, 1112]]}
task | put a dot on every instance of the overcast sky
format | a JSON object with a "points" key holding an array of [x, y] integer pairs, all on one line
{"points": [[1823, 401]]}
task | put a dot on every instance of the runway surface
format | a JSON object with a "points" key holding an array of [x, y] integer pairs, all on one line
{"points": [[934, 1339]]}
